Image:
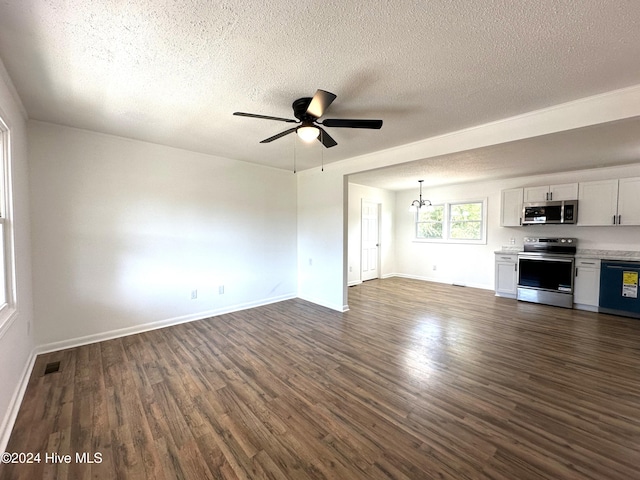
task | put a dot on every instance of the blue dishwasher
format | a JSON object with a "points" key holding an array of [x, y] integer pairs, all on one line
{"points": [[619, 288]]}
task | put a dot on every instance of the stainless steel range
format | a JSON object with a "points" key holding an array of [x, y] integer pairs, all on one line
{"points": [[546, 271]]}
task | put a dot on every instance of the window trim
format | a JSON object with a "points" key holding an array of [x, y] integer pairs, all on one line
{"points": [[8, 311], [446, 222]]}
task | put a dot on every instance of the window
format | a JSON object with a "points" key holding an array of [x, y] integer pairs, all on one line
{"points": [[429, 223], [454, 222], [465, 221], [7, 302]]}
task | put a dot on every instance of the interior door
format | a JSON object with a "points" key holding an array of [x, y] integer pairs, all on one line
{"points": [[370, 239]]}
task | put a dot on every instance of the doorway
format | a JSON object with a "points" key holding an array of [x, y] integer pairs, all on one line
{"points": [[370, 241]]}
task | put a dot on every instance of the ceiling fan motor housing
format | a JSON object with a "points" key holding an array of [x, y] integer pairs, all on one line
{"points": [[300, 107]]}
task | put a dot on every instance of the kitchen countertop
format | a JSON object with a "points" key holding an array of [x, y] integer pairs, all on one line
{"points": [[583, 253], [609, 254], [508, 250]]}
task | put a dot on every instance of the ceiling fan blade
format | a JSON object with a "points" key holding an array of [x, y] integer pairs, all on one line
{"points": [[266, 117], [320, 102], [281, 134], [326, 139], [345, 123]]}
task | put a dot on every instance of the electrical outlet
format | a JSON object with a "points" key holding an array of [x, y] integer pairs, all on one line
{"points": [[221, 290], [194, 294], [310, 261], [351, 269], [435, 267]]}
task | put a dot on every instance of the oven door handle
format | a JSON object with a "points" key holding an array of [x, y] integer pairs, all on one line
{"points": [[546, 259]]}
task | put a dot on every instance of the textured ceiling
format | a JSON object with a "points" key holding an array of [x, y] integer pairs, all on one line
{"points": [[173, 72], [608, 144]]}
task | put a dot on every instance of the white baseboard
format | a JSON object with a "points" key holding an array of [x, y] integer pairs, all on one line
{"points": [[588, 308], [439, 280], [332, 306], [123, 332], [354, 283], [16, 401]]}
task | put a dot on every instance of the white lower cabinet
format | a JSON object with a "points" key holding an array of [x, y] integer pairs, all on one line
{"points": [[506, 275], [586, 292]]}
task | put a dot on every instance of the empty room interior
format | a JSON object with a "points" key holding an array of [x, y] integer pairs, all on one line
{"points": [[433, 274]]}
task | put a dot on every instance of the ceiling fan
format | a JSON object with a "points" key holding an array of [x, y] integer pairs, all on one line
{"points": [[308, 110]]}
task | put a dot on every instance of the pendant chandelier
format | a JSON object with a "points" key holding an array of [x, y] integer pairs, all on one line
{"points": [[416, 204]]}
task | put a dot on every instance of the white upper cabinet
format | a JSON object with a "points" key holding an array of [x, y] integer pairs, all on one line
{"points": [[609, 202], [628, 201], [567, 191], [536, 194], [511, 208], [598, 202]]}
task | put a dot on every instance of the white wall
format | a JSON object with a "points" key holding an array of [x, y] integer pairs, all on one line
{"points": [[473, 265], [322, 220], [386, 200], [16, 343], [462, 264], [124, 230]]}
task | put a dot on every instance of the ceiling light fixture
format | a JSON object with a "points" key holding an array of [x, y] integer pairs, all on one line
{"points": [[307, 133], [416, 204]]}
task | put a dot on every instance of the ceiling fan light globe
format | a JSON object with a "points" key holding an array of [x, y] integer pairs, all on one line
{"points": [[308, 134]]}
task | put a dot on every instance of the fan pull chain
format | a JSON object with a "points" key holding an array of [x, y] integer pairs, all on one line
{"points": [[322, 150], [294, 154]]}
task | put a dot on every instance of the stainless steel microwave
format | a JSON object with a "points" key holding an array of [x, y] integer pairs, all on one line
{"points": [[543, 213]]}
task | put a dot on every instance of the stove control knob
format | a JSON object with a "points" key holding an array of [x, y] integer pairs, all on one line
{"points": [[570, 240], [562, 240]]}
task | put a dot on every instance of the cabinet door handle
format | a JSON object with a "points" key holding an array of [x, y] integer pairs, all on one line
{"points": [[614, 219], [547, 195], [619, 219], [576, 271], [550, 195], [515, 267], [520, 220]]}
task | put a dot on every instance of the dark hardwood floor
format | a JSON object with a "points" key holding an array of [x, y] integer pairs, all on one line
{"points": [[417, 380]]}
